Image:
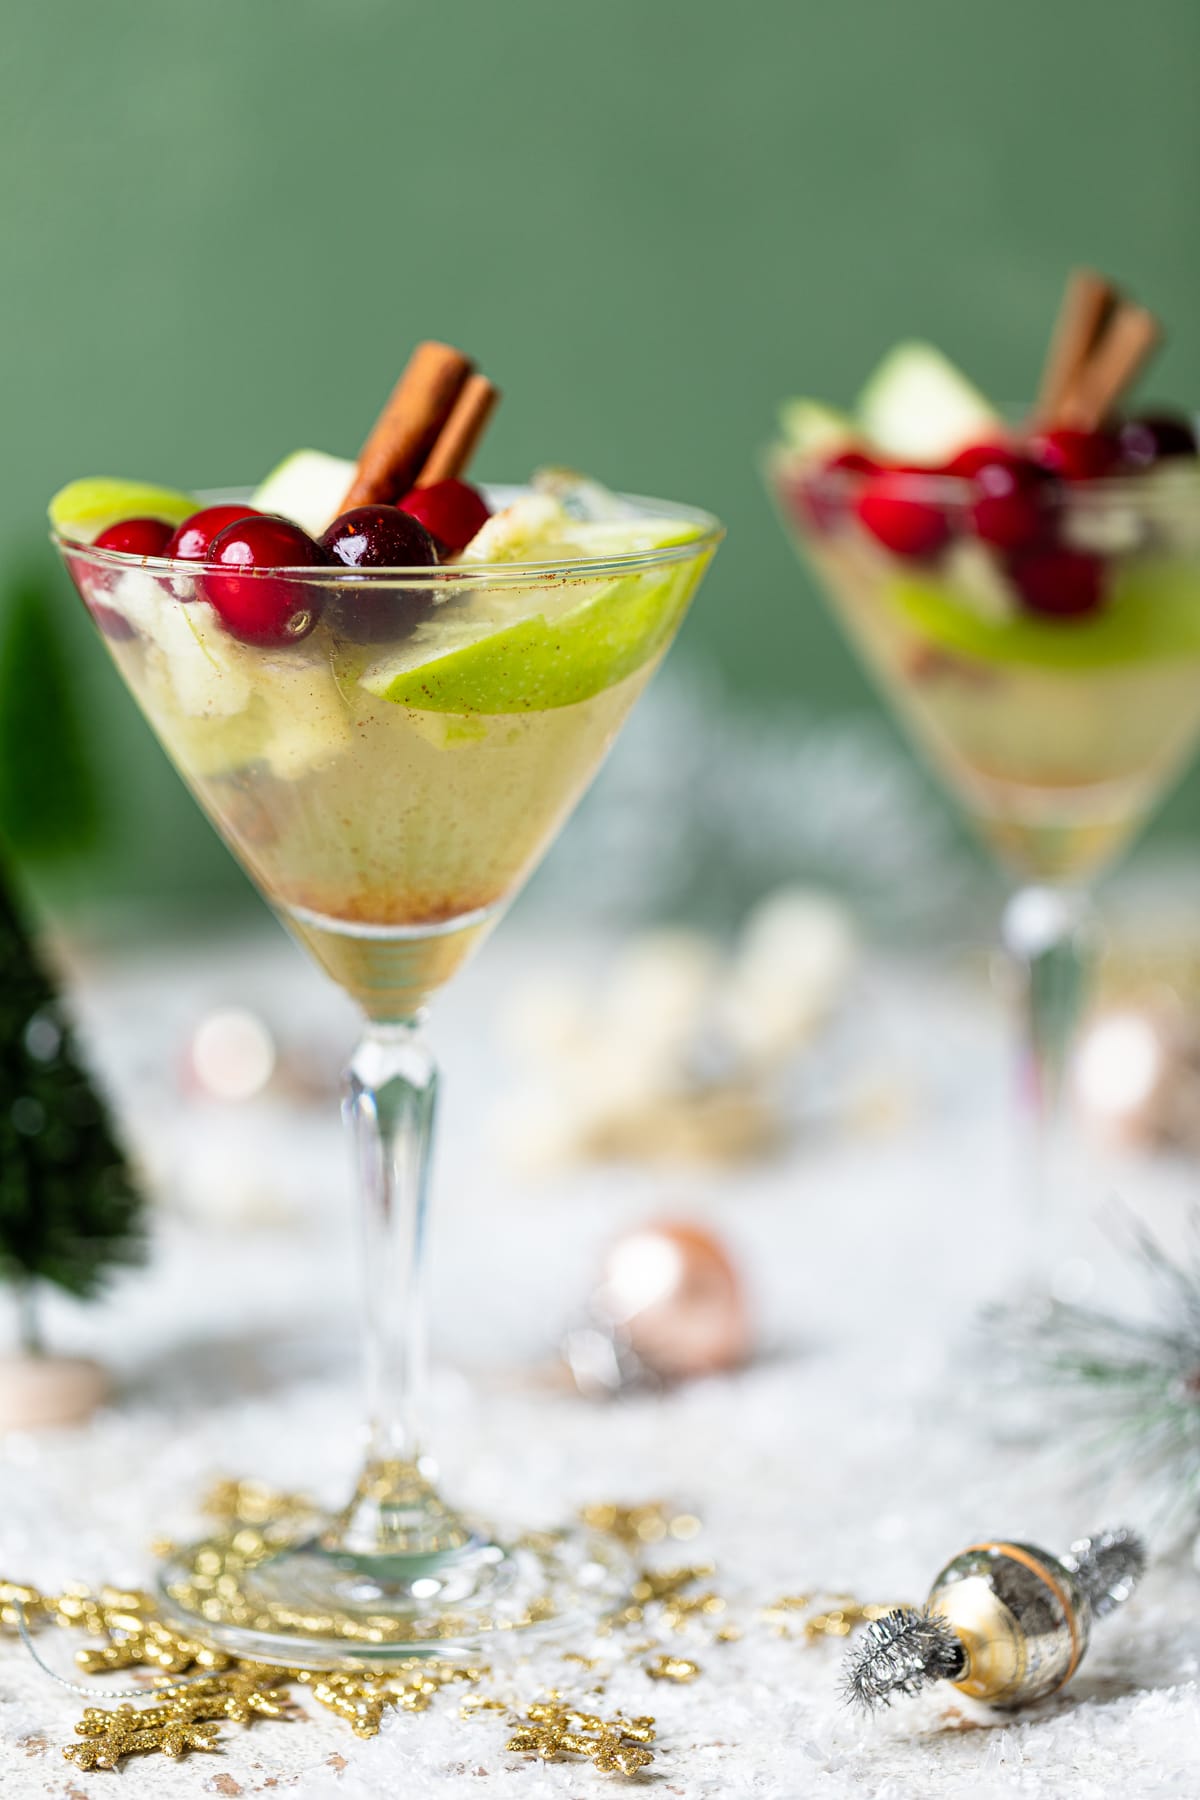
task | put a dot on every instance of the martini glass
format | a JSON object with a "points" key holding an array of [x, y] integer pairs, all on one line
{"points": [[1057, 730], [389, 798]]}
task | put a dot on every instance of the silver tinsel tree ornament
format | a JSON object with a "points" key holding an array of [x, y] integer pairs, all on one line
{"points": [[1005, 1623]]}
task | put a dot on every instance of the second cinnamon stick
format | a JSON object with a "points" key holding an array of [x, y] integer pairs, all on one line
{"points": [[1115, 365], [463, 429]]}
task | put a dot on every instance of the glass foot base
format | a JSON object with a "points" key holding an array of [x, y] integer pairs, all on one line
{"points": [[304, 1606]]}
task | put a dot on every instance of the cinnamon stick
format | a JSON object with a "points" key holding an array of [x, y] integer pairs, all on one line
{"points": [[1087, 307], [409, 425], [1130, 340], [462, 431]]}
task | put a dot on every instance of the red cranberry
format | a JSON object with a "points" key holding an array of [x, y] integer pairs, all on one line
{"points": [[377, 537], [94, 584], [816, 504], [967, 462], [136, 537], [900, 520], [1064, 584], [132, 537], [852, 462], [253, 605], [821, 496], [815, 507], [112, 623], [451, 512], [1008, 508], [1153, 437], [193, 540], [1076, 455]]}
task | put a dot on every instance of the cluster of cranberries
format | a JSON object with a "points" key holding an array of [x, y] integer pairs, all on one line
{"points": [[238, 546], [1016, 503]]}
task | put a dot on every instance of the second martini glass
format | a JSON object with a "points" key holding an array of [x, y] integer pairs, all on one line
{"points": [[389, 798], [1057, 728]]}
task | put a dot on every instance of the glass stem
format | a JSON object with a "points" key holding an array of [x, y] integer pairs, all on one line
{"points": [[389, 1106], [1046, 932]]}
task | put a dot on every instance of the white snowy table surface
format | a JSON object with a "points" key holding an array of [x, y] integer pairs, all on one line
{"points": [[856, 1453]]}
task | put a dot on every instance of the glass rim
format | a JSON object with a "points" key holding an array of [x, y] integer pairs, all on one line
{"points": [[556, 570], [1129, 485]]}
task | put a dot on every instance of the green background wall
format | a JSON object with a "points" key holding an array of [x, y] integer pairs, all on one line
{"points": [[224, 224]]}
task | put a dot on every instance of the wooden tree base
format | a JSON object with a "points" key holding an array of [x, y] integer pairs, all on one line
{"points": [[49, 1390]]}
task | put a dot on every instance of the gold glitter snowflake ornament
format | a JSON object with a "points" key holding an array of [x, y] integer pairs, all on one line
{"points": [[553, 1730], [109, 1737]]}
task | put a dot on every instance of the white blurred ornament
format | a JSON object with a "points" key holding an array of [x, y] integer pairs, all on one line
{"points": [[1136, 1076], [234, 1055], [669, 1306], [673, 1055], [231, 1055], [795, 957]]}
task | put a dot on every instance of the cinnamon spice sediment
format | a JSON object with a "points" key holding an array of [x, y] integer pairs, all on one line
{"points": [[463, 429], [409, 426]]}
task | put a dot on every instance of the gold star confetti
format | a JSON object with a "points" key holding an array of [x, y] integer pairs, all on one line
{"points": [[648, 1523], [253, 1503], [476, 1703], [836, 1619], [672, 1668]]}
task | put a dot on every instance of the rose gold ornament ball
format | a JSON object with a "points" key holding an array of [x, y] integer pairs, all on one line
{"points": [[672, 1290]]}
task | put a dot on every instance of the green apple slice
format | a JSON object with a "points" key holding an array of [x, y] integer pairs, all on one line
{"points": [[554, 658], [210, 675], [85, 508], [221, 705], [542, 663], [1153, 611], [537, 528], [307, 487], [582, 497], [810, 428], [212, 747], [626, 537], [917, 407], [533, 529]]}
